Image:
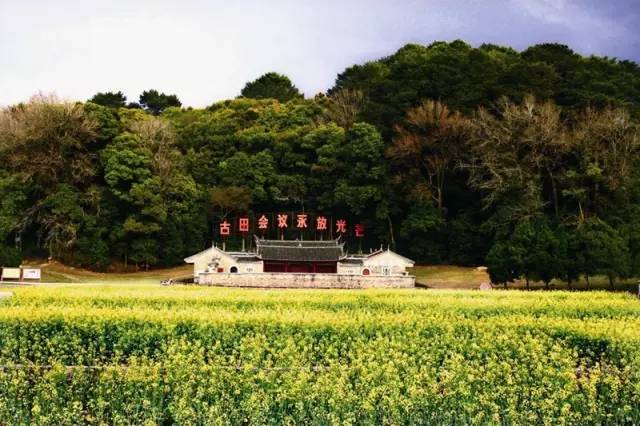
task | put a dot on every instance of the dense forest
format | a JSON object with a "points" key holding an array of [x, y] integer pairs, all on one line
{"points": [[528, 162]]}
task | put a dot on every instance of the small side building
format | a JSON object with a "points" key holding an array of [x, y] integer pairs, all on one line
{"points": [[301, 264], [217, 261], [381, 262]]}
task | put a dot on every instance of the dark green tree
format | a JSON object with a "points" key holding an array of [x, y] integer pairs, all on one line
{"points": [[9, 256], [504, 263], [543, 251], [422, 228], [271, 86], [533, 251], [155, 102], [109, 99], [605, 250]]}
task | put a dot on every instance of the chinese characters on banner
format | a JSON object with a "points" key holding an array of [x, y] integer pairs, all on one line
{"points": [[225, 228], [282, 221], [298, 221], [302, 221], [263, 223], [321, 223]]}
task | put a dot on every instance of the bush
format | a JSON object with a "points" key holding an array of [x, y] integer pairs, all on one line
{"points": [[10, 256]]}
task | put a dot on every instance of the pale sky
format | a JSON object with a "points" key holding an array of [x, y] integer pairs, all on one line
{"points": [[206, 50]]}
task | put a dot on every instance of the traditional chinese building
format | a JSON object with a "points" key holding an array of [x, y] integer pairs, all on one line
{"points": [[295, 263], [300, 256]]}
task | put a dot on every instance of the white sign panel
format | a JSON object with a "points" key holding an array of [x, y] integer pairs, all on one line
{"points": [[30, 274], [10, 273]]}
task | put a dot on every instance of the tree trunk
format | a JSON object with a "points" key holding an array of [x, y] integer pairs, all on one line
{"points": [[526, 281], [392, 238], [569, 283], [554, 191], [588, 283], [611, 283], [546, 285], [581, 212]]}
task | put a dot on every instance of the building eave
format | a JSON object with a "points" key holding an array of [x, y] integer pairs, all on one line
{"points": [[379, 252]]}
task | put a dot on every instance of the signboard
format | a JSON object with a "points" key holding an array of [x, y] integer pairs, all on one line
{"points": [[291, 223], [30, 274], [10, 273]]}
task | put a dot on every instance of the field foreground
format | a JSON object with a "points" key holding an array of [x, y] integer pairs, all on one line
{"points": [[151, 355]]}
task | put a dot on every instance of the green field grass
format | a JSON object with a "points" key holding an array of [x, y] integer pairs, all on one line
{"points": [[54, 272], [448, 276], [145, 354]]}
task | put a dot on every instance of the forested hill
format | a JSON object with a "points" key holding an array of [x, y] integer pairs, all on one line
{"points": [[525, 160], [465, 78]]}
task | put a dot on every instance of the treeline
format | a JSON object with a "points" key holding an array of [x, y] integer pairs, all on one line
{"points": [[527, 161]]}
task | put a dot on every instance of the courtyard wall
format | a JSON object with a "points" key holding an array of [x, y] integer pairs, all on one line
{"points": [[294, 280]]}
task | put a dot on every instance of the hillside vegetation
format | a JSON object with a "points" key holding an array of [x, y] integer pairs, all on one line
{"points": [[524, 161]]}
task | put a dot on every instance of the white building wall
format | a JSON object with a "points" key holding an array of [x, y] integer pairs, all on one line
{"points": [[246, 267], [202, 261], [349, 269], [386, 263]]}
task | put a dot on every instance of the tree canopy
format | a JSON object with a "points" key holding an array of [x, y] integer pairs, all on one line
{"points": [[271, 86], [155, 102], [528, 162], [109, 99]]}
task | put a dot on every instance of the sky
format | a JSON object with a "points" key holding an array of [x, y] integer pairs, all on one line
{"points": [[206, 50]]}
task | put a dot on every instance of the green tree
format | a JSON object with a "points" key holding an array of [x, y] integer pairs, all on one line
{"points": [[47, 158], [9, 256], [501, 264], [144, 252], [573, 259], [466, 78], [92, 251], [542, 252], [109, 99], [271, 86], [422, 223], [533, 251], [155, 102], [227, 200], [605, 250], [60, 218], [126, 163]]}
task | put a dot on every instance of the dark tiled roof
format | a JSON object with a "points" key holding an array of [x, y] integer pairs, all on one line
{"points": [[299, 251], [247, 259], [353, 260]]}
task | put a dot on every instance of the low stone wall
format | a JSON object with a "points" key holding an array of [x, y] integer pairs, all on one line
{"points": [[291, 280]]}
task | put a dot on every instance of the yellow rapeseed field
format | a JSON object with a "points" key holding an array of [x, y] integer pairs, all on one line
{"points": [[96, 354]]}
